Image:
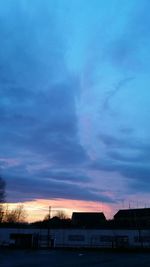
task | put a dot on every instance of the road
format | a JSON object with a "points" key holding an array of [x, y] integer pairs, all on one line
{"points": [[60, 258]]}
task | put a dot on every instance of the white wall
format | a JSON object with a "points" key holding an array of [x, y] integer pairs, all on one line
{"points": [[80, 237]]}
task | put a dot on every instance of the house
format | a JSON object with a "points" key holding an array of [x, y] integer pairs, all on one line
{"points": [[88, 219], [133, 217]]}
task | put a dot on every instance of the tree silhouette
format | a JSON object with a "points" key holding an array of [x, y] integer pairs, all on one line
{"points": [[2, 197], [61, 215], [17, 215], [2, 190]]}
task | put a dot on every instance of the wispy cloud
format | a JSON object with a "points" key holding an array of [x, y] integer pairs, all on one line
{"points": [[110, 94]]}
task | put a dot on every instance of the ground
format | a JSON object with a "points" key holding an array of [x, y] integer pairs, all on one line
{"points": [[60, 258]]}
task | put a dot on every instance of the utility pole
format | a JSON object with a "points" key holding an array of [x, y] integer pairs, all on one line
{"points": [[48, 232]]}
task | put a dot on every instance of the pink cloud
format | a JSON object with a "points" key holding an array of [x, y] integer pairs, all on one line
{"points": [[39, 208]]}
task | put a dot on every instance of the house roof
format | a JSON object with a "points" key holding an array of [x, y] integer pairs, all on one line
{"points": [[88, 218], [128, 213]]}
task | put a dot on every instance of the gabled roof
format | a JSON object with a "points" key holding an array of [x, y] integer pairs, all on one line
{"points": [[128, 213], [88, 218]]}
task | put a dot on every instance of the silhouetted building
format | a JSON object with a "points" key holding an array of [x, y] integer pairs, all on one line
{"points": [[133, 217], [88, 219]]}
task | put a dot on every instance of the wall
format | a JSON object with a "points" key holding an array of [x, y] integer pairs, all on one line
{"points": [[83, 237]]}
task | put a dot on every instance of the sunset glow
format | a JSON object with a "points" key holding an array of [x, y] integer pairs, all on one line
{"points": [[38, 209]]}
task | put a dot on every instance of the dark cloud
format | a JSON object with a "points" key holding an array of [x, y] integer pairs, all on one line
{"points": [[135, 175], [112, 93], [38, 105], [63, 176], [50, 189], [123, 156], [43, 122], [37, 170], [124, 49], [40, 123], [112, 141], [123, 141], [128, 156]]}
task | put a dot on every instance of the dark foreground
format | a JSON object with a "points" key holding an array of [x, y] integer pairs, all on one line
{"points": [[60, 258]]}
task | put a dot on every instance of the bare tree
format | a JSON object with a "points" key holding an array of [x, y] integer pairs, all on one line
{"points": [[47, 217], [2, 198], [2, 190], [17, 215], [61, 215], [1, 213]]}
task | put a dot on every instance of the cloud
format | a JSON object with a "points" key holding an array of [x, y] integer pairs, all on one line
{"points": [[111, 94], [29, 34], [56, 66], [50, 189], [34, 105], [47, 127], [125, 49], [128, 157], [63, 176], [38, 98]]}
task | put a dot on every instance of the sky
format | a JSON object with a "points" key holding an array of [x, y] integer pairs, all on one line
{"points": [[75, 104]]}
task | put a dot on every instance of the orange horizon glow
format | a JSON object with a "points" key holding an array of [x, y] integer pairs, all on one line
{"points": [[39, 208]]}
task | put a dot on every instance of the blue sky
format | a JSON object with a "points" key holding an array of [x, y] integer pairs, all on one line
{"points": [[75, 100]]}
